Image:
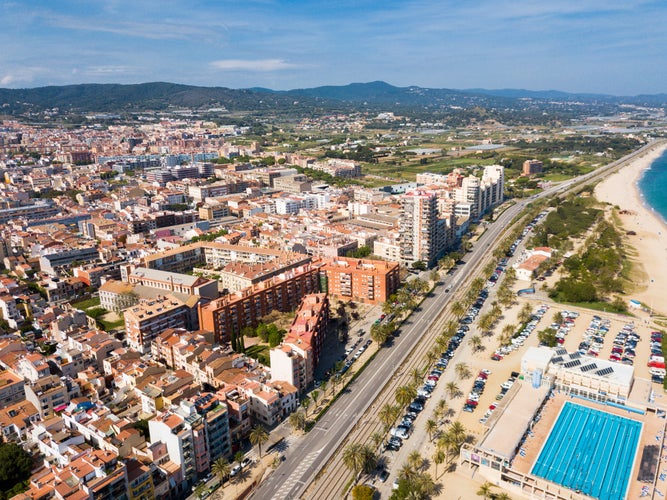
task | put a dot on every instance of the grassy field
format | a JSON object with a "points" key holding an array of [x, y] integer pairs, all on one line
{"points": [[87, 304]]}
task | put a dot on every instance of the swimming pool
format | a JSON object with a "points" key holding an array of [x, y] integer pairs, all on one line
{"points": [[590, 451]]}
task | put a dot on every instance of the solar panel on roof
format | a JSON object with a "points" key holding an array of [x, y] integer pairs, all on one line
{"points": [[571, 364], [557, 359], [560, 351], [605, 371], [575, 355], [589, 367]]}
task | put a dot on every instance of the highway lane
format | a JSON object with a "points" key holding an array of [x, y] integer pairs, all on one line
{"points": [[308, 458]]}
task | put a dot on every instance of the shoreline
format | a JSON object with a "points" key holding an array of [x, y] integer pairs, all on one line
{"points": [[650, 240]]}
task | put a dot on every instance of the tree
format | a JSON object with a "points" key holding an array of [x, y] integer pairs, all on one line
{"points": [[485, 490], [363, 492], [525, 313], [305, 403], [379, 333], [419, 265], [404, 394], [462, 370], [431, 428], [417, 375], [238, 457], [457, 309], [200, 489], [359, 458], [441, 409], [15, 466], [439, 457], [452, 389], [377, 438], [434, 276], [475, 342], [388, 414], [415, 460], [222, 469], [548, 337], [259, 436], [297, 420], [315, 395]]}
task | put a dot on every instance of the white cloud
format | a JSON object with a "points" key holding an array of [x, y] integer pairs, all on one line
{"points": [[260, 65], [6, 80]]}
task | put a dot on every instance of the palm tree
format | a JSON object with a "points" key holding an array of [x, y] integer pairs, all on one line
{"points": [[489, 268], [450, 328], [259, 436], [323, 387], [315, 395], [305, 403], [441, 342], [439, 457], [457, 309], [388, 414], [452, 389], [404, 394], [447, 443], [297, 420], [416, 375], [434, 276], [477, 284], [431, 428], [485, 490], [432, 355], [441, 409], [502, 496], [462, 370], [487, 320], [475, 342], [508, 330], [379, 333], [415, 460], [359, 458], [377, 438], [222, 469], [353, 457], [525, 313], [238, 457], [458, 432]]}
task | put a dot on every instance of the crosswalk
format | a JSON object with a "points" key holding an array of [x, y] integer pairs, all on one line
{"points": [[290, 482]]}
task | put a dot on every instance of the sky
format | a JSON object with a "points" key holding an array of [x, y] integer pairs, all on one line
{"points": [[596, 46]]}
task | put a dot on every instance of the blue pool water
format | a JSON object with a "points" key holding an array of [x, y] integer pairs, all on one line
{"points": [[591, 451]]}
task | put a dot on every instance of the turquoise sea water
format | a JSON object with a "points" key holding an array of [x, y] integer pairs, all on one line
{"points": [[653, 186]]}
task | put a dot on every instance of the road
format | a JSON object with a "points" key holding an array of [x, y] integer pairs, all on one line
{"points": [[310, 455]]}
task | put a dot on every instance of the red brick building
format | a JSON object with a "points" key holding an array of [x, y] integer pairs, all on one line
{"points": [[369, 281]]}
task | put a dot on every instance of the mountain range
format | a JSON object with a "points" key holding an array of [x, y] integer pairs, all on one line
{"points": [[85, 98]]}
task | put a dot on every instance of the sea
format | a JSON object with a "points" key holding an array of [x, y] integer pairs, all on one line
{"points": [[652, 186]]}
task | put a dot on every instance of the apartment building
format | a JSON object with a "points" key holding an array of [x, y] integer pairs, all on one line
{"points": [[150, 317], [246, 307], [65, 257], [531, 167], [11, 388], [421, 232], [295, 360], [369, 281]]}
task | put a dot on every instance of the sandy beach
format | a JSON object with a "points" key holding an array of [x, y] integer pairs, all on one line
{"points": [[650, 242]]}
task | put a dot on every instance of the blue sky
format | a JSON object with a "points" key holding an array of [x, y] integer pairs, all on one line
{"points": [[605, 46]]}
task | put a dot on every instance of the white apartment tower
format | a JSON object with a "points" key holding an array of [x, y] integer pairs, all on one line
{"points": [[422, 232]]}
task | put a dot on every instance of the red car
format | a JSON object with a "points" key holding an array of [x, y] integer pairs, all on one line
{"points": [[472, 403]]}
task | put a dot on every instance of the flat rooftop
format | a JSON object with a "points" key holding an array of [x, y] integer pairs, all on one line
{"points": [[504, 437]]}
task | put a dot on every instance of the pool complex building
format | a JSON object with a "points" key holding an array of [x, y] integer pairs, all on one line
{"points": [[591, 451]]}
